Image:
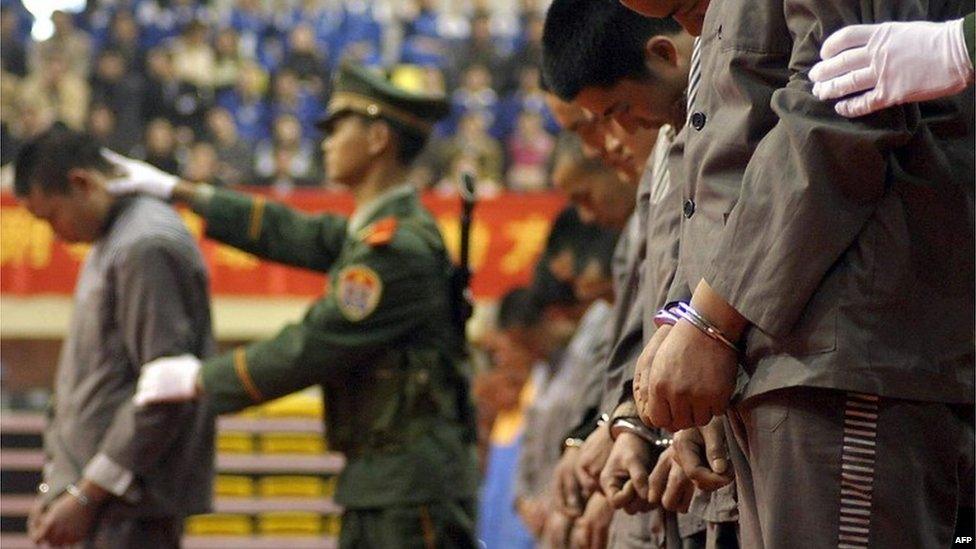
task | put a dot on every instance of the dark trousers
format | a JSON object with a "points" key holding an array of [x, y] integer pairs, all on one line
{"points": [[136, 533], [819, 468], [714, 535], [448, 525]]}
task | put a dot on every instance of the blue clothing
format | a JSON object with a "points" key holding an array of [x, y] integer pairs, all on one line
{"points": [[253, 119], [499, 526], [307, 111], [422, 41], [326, 23], [25, 19], [246, 23], [159, 24], [271, 53], [251, 27], [463, 102], [357, 25], [509, 110]]}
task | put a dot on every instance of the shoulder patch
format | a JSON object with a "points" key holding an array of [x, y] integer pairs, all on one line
{"points": [[379, 233], [358, 292]]}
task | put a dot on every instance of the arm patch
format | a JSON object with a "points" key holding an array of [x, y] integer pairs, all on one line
{"points": [[358, 292]]}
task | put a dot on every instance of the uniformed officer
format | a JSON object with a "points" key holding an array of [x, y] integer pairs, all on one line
{"points": [[383, 342]]}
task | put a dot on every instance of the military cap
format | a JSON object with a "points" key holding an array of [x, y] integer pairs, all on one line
{"points": [[372, 93]]}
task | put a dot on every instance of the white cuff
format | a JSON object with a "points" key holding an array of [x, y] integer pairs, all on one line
{"points": [[109, 475], [959, 51]]}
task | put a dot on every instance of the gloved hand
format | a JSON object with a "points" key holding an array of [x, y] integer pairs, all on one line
{"points": [[892, 63], [168, 379], [139, 177]]}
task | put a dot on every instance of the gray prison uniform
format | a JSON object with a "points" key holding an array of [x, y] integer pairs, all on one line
{"points": [[141, 294], [558, 407], [847, 244], [652, 264], [632, 531], [712, 518]]}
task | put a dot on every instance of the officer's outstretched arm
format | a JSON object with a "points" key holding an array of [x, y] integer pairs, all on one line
{"points": [[251, 223], [267, 229]]}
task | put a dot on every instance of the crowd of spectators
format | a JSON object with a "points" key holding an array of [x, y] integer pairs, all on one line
{"points": [[228, 91]]}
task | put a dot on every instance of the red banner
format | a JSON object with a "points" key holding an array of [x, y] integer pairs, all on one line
{"points": [[508, 234]]}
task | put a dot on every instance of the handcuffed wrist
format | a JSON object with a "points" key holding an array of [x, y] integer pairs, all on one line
{"points": [[637, 428], [626, 408], [572, 442], [665, 316], [685, 311], [76, 493]]}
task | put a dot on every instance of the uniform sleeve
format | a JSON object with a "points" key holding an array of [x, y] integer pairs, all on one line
{"points": [[377, 300], [527, 467], [813, 181], [622, 359], [274, 231], [156, 286]]}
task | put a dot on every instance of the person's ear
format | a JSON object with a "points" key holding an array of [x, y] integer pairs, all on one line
{"points": [[81, 180], [379, 137], [659, 52]]}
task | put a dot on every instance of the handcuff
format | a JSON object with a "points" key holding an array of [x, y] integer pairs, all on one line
{"points": [[634, 426]]}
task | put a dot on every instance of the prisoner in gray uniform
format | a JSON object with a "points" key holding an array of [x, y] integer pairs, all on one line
{"points": [[142, 293], [652, 264], [847, 246], [563, 401]]}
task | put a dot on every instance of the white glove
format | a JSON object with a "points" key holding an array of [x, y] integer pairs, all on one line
{"points": [[895, 62], [139, 177], [168, 379]]}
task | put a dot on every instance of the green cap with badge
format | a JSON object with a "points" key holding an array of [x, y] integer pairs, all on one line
{"points": [[372, 93]]}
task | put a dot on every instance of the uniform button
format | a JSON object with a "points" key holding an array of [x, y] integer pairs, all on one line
{"points": [[698, 120], [689, 208]]}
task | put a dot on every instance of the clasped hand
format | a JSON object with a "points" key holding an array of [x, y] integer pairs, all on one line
{"points": [[683, 378]]}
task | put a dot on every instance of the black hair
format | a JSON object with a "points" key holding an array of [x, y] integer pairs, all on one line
{"points": [[517, 308], [595, 43], [566, 231], [587, 241], [549, 291], [46, 160], [599, 245]]}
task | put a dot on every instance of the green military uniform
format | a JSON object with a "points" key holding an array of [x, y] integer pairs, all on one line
{"points": [[382, 343]]}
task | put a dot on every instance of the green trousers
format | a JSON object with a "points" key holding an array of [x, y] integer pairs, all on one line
{"points": [[438, 525]]}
